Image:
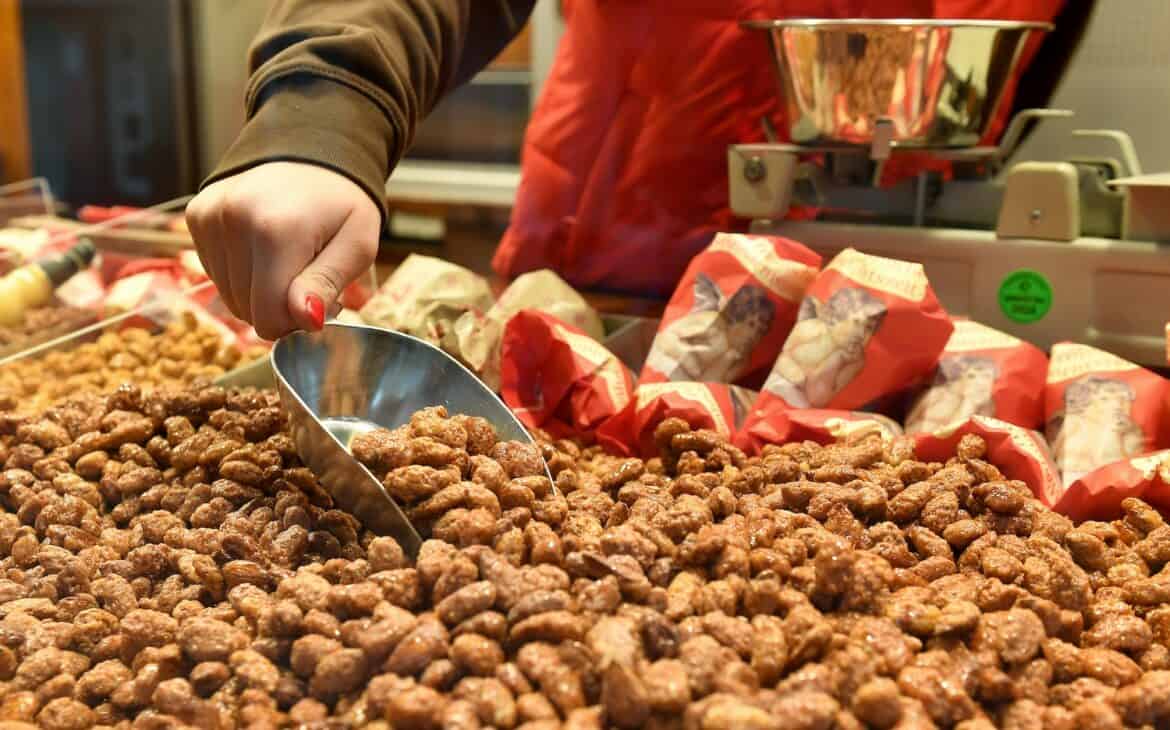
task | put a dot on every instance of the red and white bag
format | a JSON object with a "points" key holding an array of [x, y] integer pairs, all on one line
{"points": [[715, 406], [823, 426], [1098, 494], [868, 327], [1018, 452], [733, 309], [1100, 408], [555, 377]]}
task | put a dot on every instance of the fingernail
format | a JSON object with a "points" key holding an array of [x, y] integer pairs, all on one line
{"points": [[316, 309]]}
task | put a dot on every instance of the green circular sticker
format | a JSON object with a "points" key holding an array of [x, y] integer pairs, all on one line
{"points": [[1025, 296]]}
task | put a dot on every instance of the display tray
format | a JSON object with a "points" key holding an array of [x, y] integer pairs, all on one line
{"points": [[86, 299], [255, 374], [48, 334], [178, 341], [79, 308], [122, 239]]}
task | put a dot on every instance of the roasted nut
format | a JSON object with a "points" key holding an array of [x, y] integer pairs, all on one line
{"points": [[423, 645], [415, 708], [466, 602], [166, 557], [477, 655], [338, 672], [64, 713]]}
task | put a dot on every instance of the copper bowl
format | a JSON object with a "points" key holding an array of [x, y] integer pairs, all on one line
{"points": [[937, 82]]}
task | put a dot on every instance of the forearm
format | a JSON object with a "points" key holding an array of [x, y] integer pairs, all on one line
{"points": [[344, 84]]}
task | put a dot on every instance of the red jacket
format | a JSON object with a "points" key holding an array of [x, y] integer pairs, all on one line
{"points": [[624, 164]]}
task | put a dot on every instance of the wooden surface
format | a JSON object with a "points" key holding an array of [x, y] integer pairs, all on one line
{"points": [[15, 148]]}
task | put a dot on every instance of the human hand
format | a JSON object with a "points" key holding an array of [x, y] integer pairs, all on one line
{"points": [[282, 240]]}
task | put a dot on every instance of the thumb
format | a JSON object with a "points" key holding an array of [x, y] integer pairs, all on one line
{"points": [[348, 255]]}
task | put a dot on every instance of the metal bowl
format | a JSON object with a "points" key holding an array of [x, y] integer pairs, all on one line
{"points": [[937, 82]]}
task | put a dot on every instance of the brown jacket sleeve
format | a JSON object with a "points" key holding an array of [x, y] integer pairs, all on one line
{"points": [[343, 83]]}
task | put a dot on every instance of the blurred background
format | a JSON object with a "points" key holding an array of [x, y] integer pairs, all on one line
{"points": [[133, 101]]}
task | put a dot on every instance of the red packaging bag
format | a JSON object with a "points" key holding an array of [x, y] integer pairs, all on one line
{"points": [[868, 327], [136, 217], [210, 304], [715, 406], [192, 266], [556, 377], [145, 292], [823, 426], [1100, 408], [173, 266], [1018, 452], [732, 310], [982, 372], [153, 299], [1098, 495], [185, 269], [84, 290]]}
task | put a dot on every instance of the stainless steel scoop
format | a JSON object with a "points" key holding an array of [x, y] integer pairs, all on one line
{"points": [[348, 379]]}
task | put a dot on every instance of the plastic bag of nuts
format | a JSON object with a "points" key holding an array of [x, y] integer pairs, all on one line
{"points": [[982, 372], [731, 311], [425, 296], [1020, 453], [822, 426], [476, 337], [556, 377], [1100, 409], [868, 327], [717, 407], [1099, 494]]}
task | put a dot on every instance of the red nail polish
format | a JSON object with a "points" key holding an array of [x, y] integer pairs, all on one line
{"points": [[316, 309]]}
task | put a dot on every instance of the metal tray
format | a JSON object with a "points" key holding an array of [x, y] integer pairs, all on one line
{"points": [[152, 317]]}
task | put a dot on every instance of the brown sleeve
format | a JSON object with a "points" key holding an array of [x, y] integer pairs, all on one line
{"points": [[344, 83]]}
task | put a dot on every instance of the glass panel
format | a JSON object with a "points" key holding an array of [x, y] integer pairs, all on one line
{"points": [[484, 120], [481, 122], [32, 197]]}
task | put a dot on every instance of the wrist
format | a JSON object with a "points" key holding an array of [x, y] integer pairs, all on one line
{"points": [[318, 122]]}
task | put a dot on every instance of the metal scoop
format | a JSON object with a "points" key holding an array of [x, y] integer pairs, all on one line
{"points": [[350, 379]]}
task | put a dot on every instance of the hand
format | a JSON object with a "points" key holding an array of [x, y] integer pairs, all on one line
{"points": [[282, 240]]}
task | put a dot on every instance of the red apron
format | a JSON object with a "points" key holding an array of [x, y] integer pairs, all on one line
{"points": [[625, 159]]}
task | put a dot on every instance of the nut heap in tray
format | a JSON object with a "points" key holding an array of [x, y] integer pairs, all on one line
{"points": [[42, 324], [167, 562], [183, 352]]}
